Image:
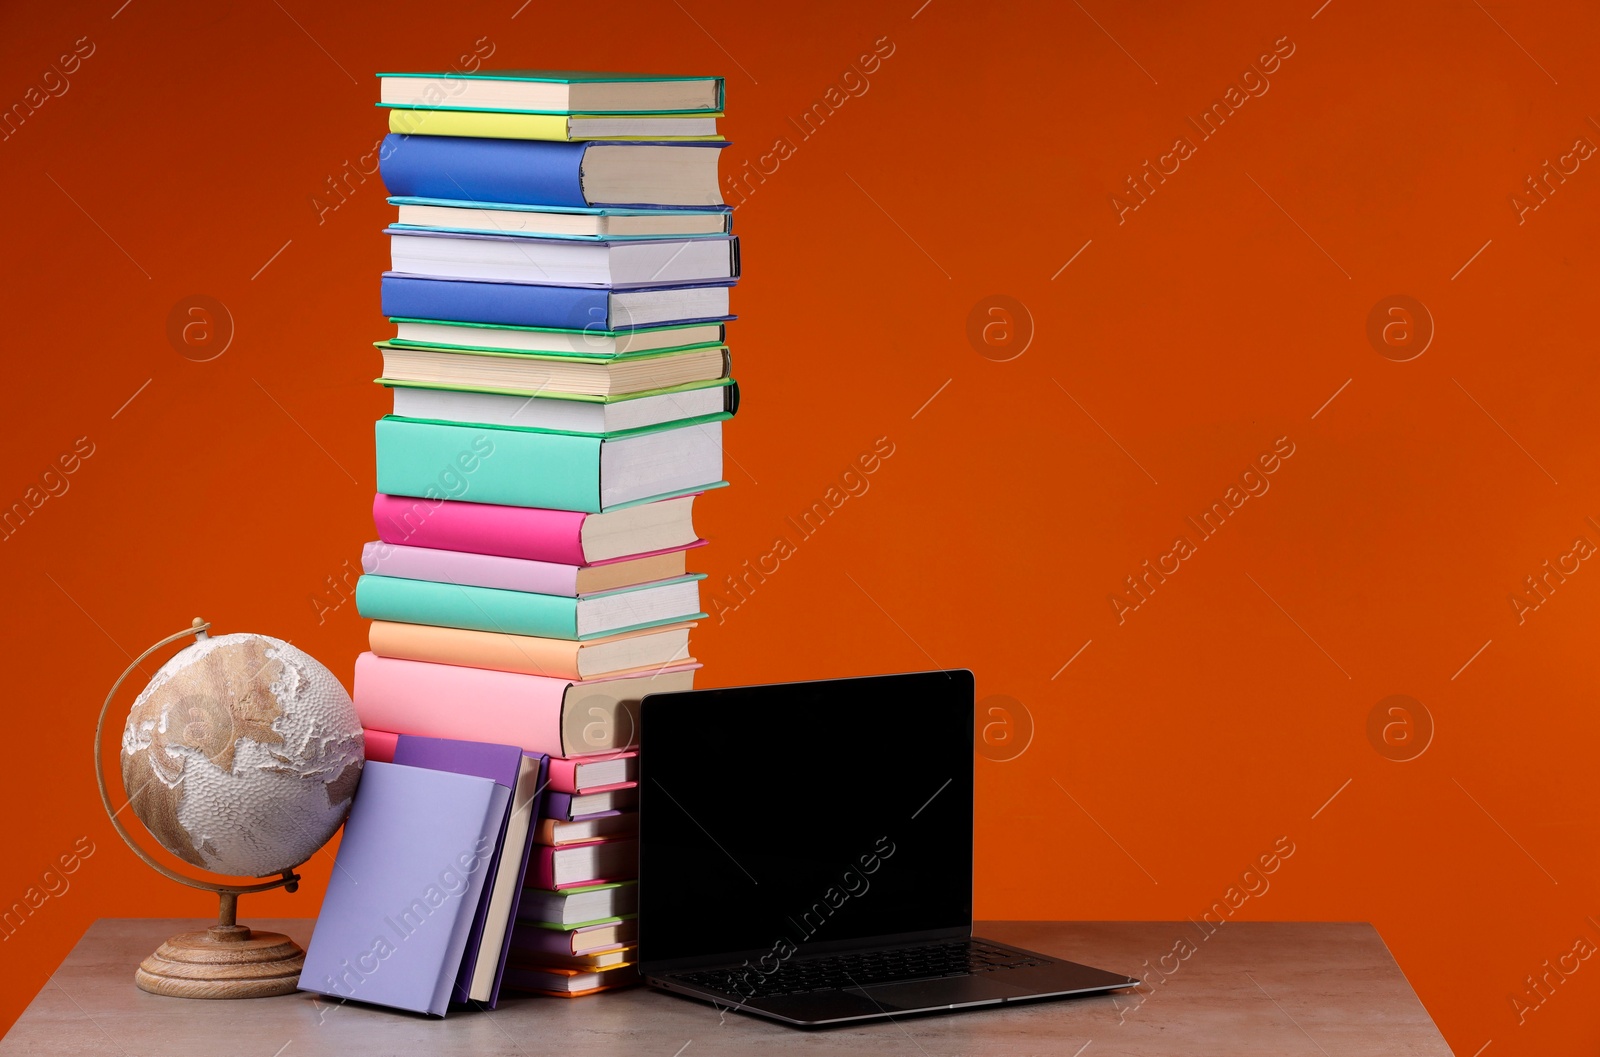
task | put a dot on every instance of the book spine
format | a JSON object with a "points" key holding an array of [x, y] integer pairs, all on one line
{"points": [[503, 304], [411, 697], [424, 122], [542, 867], [524, 654], [563, 776], [501, 466], [521, 172], [473, 608], [532, 809], [500, 259], [471, 570], [546, 941], [480, 528], [379, 745]]}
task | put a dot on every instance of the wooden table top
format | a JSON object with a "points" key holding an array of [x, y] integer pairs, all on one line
{"points": [[1251, 988]]}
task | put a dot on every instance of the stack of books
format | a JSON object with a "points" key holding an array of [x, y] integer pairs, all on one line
{"points": [[561, 267], [576, 927]]}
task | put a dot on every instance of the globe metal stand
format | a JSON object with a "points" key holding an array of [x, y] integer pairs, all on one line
{"points": [[226, 960]]}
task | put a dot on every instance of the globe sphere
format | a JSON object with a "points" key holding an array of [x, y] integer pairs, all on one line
{"points": [[242, 754]]}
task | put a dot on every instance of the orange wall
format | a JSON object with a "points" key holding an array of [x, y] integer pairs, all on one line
{"points": [[1183, 339]]}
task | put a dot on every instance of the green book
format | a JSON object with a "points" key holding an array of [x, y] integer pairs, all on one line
{"points": [[524, 613], [510, 466]]}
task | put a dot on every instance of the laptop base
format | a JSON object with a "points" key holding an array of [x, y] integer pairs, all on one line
{"points": [[1040, 977]]}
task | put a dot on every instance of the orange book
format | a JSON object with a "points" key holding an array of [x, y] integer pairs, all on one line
{"points": [[633, 651], [556, 832], [570, 983]]}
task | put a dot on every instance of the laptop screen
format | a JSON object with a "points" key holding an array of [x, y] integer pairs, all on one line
{"points": [[804, 816]]}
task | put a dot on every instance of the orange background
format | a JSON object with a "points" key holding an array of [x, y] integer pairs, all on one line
{"points": [[1222, 314]]}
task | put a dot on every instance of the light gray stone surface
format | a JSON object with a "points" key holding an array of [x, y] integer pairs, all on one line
{"points": [[1252, 988]]}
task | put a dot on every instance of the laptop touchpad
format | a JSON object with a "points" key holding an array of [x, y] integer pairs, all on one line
{"points": [[932, 994]]}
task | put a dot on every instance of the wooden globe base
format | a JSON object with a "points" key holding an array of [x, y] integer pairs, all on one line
{"points": [[224, 961]]}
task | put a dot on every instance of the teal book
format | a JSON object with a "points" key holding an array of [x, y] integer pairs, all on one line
{"points": [[451, 605], [510, 466]]}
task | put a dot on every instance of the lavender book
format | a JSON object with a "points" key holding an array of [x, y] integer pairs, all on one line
{"points": [[483, 961], [405, 887]]}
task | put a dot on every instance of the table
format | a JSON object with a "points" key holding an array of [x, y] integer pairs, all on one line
{"points": [[1249, 988]]}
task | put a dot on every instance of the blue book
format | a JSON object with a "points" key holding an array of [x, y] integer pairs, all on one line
{"points": [[416, 852], [537, 172], [522, 774], [554, 307]]}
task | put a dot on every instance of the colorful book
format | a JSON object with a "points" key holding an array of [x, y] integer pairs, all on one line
{"points": [[593, 344], [630, 652], [583, 865], [520, 467], [555, 832], [552, 91], [565, 536], [576, 907], [558, 128], [557, 717], [571, 807], [563, 262], [520, 574], [586, 939], [401, 898], [533, 172], [570, 983], [379, 744], [551, 376], [483, 962], [504, 218], [563, 414], [559, 307], [590, 774], [522, 613]]}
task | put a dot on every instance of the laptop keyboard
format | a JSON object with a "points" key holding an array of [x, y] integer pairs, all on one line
{"points": [[959, 958]]}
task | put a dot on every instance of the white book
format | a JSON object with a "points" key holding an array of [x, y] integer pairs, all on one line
{"points": [[595, 344], [562, 261], [570, 416], [497, 218]]}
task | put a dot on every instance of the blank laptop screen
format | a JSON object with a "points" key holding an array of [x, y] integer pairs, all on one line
{"points": [[801, 816]]}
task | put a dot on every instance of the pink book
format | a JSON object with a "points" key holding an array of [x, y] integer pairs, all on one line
{"points": [[558, 717], [519, 574], [562, 536], [578, 865], [593, 774], [462, 567], [380, 745]]}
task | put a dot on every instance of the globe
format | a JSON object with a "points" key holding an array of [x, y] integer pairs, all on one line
{"points": [[241, 755]]}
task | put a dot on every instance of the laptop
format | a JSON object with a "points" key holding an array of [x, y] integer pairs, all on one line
{"points": [[805, 854]]}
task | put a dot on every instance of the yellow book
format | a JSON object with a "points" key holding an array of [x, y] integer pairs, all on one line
{"points": [[564, 128]]}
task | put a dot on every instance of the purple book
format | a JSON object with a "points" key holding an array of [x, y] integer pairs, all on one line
{"points": [[522, 775], [402, 896], [471, 570], [573, 807]]}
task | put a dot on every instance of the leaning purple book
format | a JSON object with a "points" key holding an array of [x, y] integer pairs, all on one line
{"points": [[522, 774], [405, 888]]}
